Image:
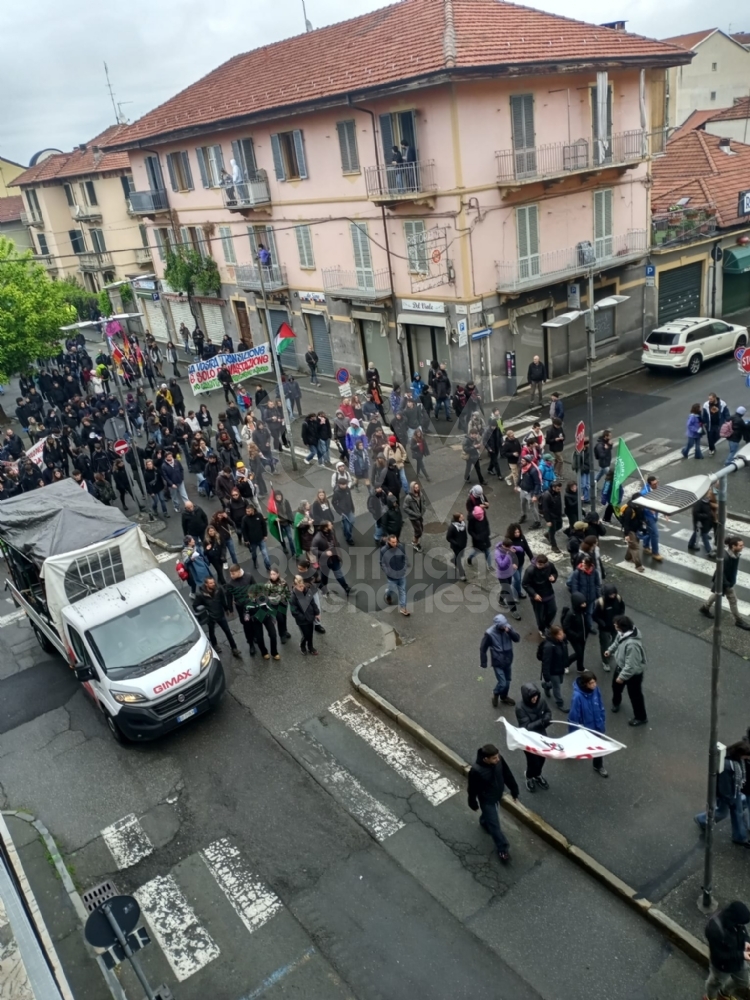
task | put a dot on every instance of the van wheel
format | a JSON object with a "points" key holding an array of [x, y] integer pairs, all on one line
{"points": [[695, 364], [42, 639], [115, 732]]}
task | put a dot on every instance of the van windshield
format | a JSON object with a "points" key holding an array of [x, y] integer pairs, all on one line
{"points": [[144, 638], [662, 339]]}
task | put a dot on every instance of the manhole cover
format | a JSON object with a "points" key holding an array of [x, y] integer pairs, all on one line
{"points": [[98, 895]]}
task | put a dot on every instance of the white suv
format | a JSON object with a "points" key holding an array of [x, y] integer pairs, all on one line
{"points": [[688, 342]]}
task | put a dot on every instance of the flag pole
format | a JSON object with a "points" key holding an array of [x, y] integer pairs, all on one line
{"points": [[276, 365]]}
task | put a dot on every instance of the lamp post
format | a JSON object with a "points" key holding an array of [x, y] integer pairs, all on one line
{"points": [[671, 499], [276, 364]]}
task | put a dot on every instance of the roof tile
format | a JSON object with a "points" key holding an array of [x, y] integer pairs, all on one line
{"points": [[90, 160], [740, 109], [11, 208], [691, 40]]}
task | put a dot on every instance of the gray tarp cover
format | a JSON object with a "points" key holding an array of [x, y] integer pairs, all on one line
{"points": [[57, 518]]}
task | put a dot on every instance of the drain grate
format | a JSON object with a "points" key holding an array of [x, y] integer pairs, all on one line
{"points": [[99, 894]]}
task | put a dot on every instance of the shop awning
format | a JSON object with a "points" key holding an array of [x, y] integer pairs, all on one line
{"points": [[737, 260], [422, 319]]}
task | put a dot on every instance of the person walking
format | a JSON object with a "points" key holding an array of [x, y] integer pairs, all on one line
{"points": [[213, 597], [305, 612], [284, 522], [506, 567], [311, 360], [603, 453], [575, 624], [555, 441], [630, 661], [734, 547], [539, 583], [607, 609], [173, 475], [530, 488], [471, 446], [510, 450], [739, 431], [553, 652], [693, 431], [488, 778], [536, 376], [310, 438], [498, 641], [413, 508], [582, 466], [481, 536], [254, 531], [279, 596], [728, 952], [419, 451], [650, 532], [730, 798], [533, 714], [325, 550], [587, 710], [456, 537], [586, 581], [550, 504], [154, 486], [343, 503], [714, 413], [703, 523], [394, 566]]}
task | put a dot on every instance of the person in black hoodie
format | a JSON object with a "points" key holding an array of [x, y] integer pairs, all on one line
{"points": [[570, 504], [728, 950], [606, 608], [554, 655], [539, 583], [575, 624], [457, 538], [534, 715], [488, 778], [511, 452], [550, 504]]}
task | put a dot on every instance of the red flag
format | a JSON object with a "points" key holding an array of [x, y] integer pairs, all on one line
{"points": [[126, 343]]}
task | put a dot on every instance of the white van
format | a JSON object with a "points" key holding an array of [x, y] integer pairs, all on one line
{"points": [[687, 343]]}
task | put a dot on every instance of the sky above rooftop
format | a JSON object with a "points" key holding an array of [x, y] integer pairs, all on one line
{"points": [[51, 54]]}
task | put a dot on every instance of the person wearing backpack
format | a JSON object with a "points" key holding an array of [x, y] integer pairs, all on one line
{"points": [[552, 652], [607, 608], [740, 431]]}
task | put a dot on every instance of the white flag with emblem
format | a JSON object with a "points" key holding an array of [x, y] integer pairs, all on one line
{"points": [[583, 744]]}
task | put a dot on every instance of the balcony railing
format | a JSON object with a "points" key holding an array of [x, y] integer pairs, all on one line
{"points": [[31, 218], [95, 261], [560, 265], [400, 181], [248, 277], [46, 259], [143, 256], [83, 213], [357, 284], [247, 194], [148, 202], [557, 159], [682, 225]]}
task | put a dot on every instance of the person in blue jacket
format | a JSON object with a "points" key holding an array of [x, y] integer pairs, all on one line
{"points": [[650, 533], [417, 385], [587, 710]]}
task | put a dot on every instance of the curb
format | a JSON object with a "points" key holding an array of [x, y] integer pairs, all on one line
{"points": [[73, 894], [684, 940]]}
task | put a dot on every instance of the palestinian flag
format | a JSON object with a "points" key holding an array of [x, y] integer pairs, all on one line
{"points": [[273, 514], [284, 338]]}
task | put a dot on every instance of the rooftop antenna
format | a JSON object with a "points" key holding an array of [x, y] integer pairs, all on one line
{"points": [[122, 118], [308, 26], [118, 116]]}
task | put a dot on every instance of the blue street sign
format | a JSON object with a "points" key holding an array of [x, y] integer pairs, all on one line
{"points": [[342, 376], [481, 334], [650, 270], [739, 353]]}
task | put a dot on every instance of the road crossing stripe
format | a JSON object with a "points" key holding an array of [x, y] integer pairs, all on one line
{"points": [[685, 534], [365, 808], [394, 750], [629, 436], [700, 565], [654, 464], [187, 946], [253, 902], [127, 841], [14, 616], [696, 590]]}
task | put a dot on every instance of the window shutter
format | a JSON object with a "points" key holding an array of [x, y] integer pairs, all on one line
{"points": [[170, 171], [159, 244], [299, 149], [523, 233], [527, 227], [187, 174], [126, 188], [253, 237], [415, 252], [185, 236], [202, 166], [227, 244], [522, 120], [386, 136], [248, 150], [607, 213], [144, 235], [304, 245], [278, 161], [595, 117], [91, 191], [533, 222], [362, 258], [219, 158], [269, 238], [42, 243], [347, 133], [237, 156]]}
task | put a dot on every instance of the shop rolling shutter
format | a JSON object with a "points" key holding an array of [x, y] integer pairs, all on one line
{"points": [[214, 323], [157, 324], [680, 292], [181, 314], [736, 293], [321, 343]]}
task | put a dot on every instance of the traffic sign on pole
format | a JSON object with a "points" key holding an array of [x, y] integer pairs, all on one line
{"points": [[744, 362], [342, 376], [580, 435], [121, 447]]}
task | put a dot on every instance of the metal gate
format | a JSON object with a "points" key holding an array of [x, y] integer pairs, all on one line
{"points": [[321, 342], [155, 320], [181, 314], [680, 292], [214, 323], [736, 293]]}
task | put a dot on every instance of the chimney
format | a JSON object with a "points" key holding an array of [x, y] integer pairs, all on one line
{"points": [[725, 146]]}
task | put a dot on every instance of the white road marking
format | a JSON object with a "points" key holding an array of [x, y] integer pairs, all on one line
{"points": [[187, 945], [733, 528], [128, 841], [520, 435], [253, 902], [697, 563], [654, 464], [15, 616], [365, 808], [629, 436], [394, 750], [163, 557], [683, 586]]}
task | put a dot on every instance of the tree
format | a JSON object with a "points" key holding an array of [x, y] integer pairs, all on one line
{"points": [[85, 303], [187, 271], [33, 307]]}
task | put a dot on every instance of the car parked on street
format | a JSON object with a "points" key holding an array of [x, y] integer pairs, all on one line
{"points": [[688, 342]]}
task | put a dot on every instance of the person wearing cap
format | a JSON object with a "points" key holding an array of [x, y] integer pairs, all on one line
{"points": [[740, 433], [488, 778], [396, 451], [728, 951]]}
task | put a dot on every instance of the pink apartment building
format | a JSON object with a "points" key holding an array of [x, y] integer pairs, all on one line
{"points": [[523, 149]]}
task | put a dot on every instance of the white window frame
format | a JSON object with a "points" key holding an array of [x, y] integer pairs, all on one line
{"points": [[527, 233], [603, 223]]}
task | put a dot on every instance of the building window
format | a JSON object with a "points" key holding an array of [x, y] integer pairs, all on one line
{"points": [[398, 129], [193, 237], [522, 126], [305, 247], [154, 174], [603, 224], [347, 132], [210, 164], [88, 194], [415, 248], [43, 248], [714, 67], [362, 255], [266, 236], [180, 175], [227, 244], [165, 241], [69, 194], [713, 95], [527, 230], [144, 235], [243, 154], [289, 155], [33, 202], [77, 240], [97, 240]]}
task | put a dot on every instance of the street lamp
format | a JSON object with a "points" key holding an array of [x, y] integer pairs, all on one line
{"points": [[671, 499], [563, 319]]}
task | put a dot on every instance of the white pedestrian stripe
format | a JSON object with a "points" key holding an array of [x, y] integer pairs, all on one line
{"points": [[629, 436], [365, 808], [697, 590], [127, 841], [253, 902], [654, 464], [15, 616], [163, 557], [698, 564], [394, 750], [187, 945]]}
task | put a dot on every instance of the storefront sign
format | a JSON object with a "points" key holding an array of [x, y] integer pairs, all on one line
{"points": [[204, 375], [463, 332], [318, 297], [475, 307], [461, 310], [418, 305], [650, 276]]}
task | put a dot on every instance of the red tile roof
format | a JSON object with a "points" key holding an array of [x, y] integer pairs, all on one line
{"points": [[691, 40], [90, 160], [740, 109], [743, 37], [11, 208], [695, 167], [696, 120], [409, 40]]}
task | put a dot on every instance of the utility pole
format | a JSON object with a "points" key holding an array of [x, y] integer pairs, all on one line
{"points": [[112, 96], [276, 365]]}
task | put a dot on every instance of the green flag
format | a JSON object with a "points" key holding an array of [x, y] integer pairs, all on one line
{"points": [[625, 466]]}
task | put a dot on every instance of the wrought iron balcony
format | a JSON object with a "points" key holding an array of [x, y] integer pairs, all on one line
{"points": [[244, 195], [85, 213], [148, 202], [31, 218], [682, 225], [95, 261], [143, 256], [400, 181], [561, 265], [248, 277], [357, 284], [558, 159]]}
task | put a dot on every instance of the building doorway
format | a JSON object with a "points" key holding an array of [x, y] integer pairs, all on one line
{"points": [[529, 341], [243, 322], [321, 341], [424, 344], [375, 348]]}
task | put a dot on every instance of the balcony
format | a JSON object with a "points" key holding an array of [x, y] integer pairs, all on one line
{"points": [[148, 202], [47, 260], [248, 277], [95, 261], [32, 218], [85, 213], [682, 225], [402, 182], [246, 195], [562, 265], [559, 159], [143, 256], [357, 284]]}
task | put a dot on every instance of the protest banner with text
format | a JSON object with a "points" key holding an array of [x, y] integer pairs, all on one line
{"points": [[204, 375]]}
